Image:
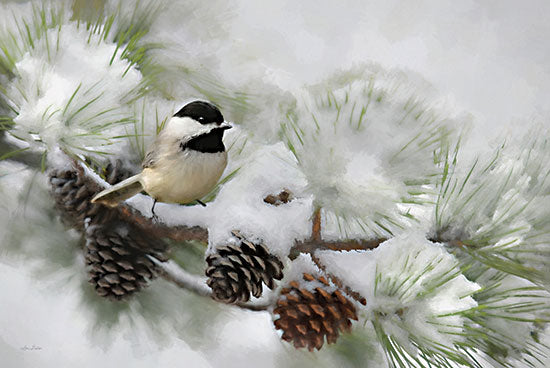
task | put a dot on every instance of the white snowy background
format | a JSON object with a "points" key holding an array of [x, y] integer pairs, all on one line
{"points": [[488, 58]]}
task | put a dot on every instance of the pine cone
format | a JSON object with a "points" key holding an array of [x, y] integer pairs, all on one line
{"points": [[310, 313], [72, 192], [237, 270], [116, 255]]}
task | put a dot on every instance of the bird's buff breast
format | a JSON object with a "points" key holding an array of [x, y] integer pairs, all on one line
{"points": [[184, 179]]}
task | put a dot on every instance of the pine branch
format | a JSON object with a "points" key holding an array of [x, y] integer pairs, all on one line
{"points": [[316, 226], [171, 272], [316, 243], [310, 246], [175, 274], [176, 233], [184, 233]]}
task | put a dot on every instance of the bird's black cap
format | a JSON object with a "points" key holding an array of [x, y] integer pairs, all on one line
{"points": [[202, 111]]}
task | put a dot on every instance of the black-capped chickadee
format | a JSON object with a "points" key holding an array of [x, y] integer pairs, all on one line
{"points": [[184, 163]]}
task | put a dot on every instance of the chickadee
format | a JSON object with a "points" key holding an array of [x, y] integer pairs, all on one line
{"points": [[184, 163]]}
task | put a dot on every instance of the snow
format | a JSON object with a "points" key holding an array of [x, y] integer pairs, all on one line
{"points": [[504, 207], [361, 138], [304, 264], [239, 204], [403, 282], [69, 97], [519, 300]]}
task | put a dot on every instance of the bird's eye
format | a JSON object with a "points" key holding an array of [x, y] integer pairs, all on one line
{"points": [[201, 118]]}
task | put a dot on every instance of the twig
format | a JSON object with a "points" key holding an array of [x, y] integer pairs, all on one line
{"points": [[260, 305], [310, 246], [354, 294], [316, 243], [172, 272], [316, 226]]}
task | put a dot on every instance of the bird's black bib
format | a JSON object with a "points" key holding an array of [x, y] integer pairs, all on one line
{"points": [[207, 143]]}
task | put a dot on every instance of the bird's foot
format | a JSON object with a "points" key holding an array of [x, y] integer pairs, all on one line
{"points": [[154, 216]]}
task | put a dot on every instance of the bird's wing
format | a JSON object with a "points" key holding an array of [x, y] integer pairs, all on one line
{"points": [[150, 159], [119, 192]]}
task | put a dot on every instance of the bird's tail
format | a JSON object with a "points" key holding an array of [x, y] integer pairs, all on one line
{"points": [[119, 192]]}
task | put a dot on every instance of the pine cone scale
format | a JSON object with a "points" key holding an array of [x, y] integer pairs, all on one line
{"points": [[110, 267]]}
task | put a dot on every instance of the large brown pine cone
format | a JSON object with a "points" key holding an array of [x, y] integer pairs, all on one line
{"points": [[237, 270], [311, 311], [117, 259]]}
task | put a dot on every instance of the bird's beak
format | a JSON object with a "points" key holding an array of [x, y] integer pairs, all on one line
{"points": [[225, 125]]}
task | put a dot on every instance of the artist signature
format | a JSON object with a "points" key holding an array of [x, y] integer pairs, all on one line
{"points": [[31, 347]]}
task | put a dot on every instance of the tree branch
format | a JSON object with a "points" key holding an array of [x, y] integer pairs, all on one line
{"points": [[184, 233], [176, 233], [354, 294], [172, 272], [316, 226], [258, 306], [310, 246], [130, 214], [316, 243]]}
